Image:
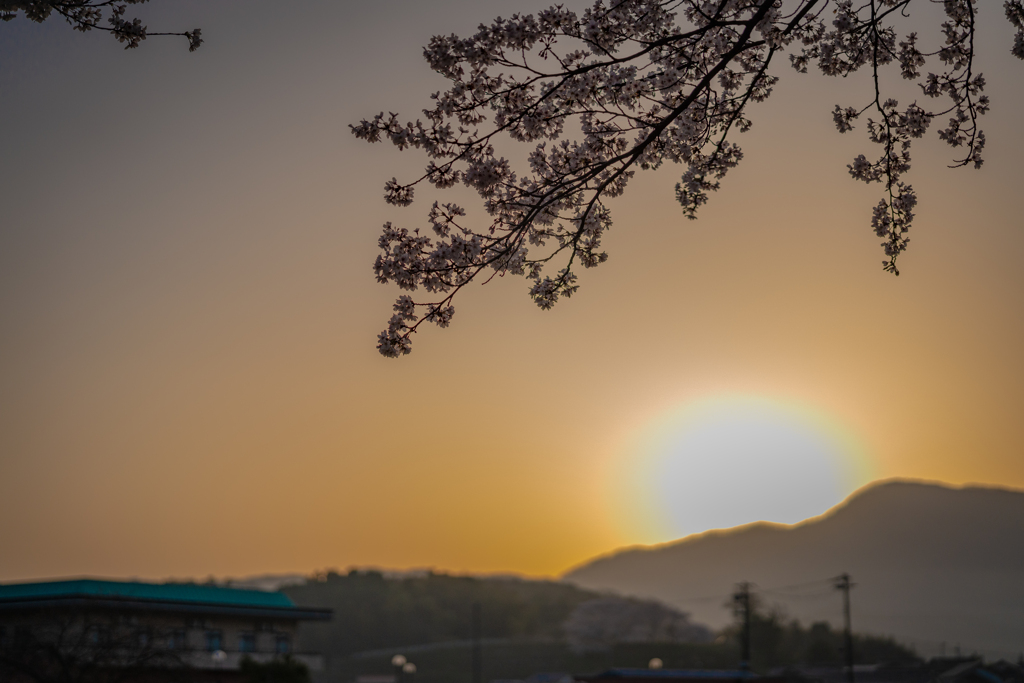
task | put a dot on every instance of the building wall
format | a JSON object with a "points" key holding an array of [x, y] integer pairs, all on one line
{"points": [[199, 641]]}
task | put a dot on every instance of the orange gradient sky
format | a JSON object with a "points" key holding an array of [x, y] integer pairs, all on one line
{"points": [[188, 314]]}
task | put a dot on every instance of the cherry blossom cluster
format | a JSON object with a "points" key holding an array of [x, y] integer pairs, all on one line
{"points": [[860, 37], [1015, 15], [627, 85], [85, 15]]}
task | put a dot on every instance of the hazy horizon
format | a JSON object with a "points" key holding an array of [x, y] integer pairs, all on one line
{"points": [[307, 572]]}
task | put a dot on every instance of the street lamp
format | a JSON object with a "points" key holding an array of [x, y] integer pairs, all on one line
{"points": [[655, 664], [409, 669], [398, 662]]}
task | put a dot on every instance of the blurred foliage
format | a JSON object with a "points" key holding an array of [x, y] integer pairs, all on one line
{"points": [[777, 641], [373, 612], [427, 618]]}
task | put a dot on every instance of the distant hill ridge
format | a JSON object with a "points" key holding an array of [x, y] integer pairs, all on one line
{"points": [[933, 564]]}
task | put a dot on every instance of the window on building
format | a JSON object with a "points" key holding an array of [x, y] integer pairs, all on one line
{"points": [[247, 642], [176, 639], [283, 645], [214, 640]]}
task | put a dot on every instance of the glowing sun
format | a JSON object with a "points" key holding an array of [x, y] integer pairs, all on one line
{"points": [[729, 461]]}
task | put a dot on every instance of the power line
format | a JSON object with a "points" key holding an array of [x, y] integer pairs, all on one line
{"points": [[805, 584], [824, 583]]}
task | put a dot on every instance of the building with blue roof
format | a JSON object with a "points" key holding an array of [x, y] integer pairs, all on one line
{"points": [[204, 630]]}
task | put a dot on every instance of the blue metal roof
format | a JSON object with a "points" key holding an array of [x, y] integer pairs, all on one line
{"points": [[161, 592]]}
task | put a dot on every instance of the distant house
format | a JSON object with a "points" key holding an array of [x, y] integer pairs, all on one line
{"points": [[144, 631], [977, 671]]}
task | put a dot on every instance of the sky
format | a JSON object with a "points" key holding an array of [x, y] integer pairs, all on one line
{"points": [[189, 384]]}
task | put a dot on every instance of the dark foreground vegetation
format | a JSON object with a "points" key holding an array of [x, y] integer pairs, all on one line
{"points": [[428, 619]]}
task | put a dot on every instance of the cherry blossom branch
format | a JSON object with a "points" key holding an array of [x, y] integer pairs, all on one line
{"points": [[638, 83], [85, 15]]}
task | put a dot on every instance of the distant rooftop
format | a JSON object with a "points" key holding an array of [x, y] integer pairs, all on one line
{"points": [[188, 597], [177, 592]]}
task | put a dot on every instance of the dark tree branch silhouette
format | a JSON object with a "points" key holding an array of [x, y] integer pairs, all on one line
{"points": [[630, 84], [86, 15]]}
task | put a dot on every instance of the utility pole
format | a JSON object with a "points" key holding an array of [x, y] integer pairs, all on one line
{"points": [[741, 603], [477, 628], [843, 584]]}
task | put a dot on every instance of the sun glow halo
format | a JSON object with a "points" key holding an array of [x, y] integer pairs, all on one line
{"points": [[724, 462]]}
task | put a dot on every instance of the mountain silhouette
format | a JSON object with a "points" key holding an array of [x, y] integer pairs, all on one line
{"points": [[935, 566]]}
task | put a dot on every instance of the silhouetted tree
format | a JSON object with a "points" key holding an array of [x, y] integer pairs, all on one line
{"points": [[630, 84], [396, 611], [86, 15], [777, 641]]}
